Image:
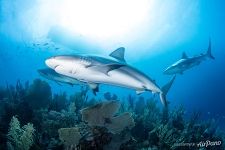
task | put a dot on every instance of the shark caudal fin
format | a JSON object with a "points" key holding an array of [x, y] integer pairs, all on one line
{"points": [[165, 90], [209, 52]]}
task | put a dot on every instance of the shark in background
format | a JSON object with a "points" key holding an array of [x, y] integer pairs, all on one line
{"points": [[186, 62], [95, 70], [50, 74]]}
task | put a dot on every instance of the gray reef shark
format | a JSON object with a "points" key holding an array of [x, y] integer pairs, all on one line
{"points": [[95, 70], [58, 78], [186, 62]]}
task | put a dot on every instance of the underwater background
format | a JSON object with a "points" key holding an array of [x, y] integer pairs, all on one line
{"points": [[154, 34]]}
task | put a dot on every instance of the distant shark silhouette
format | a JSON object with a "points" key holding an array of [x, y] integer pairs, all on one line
{"points": [[95, 70], [186, 62]]}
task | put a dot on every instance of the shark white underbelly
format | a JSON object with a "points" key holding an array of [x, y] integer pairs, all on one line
{"points": [[116, 77]]}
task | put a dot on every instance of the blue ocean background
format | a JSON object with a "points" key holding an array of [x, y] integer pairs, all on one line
{"points": [[173, 27]]}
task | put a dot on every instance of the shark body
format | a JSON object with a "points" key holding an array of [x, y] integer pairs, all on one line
{"points": [[95, 70], [186, 62]]}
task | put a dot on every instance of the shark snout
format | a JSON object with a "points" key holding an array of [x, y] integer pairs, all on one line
{"points": [[51, 62]]}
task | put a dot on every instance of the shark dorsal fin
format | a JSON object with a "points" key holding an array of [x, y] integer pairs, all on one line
{"points": [[184, 55], [118, 54]]}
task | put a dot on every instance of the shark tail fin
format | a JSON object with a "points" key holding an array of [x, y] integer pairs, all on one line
{"points": [[209, 52], [165, 90]]}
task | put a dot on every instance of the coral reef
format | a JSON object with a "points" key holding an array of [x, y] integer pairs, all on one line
{"points": [[119, 123], [80, 98], [20, 138], [98, 114], [80, 121], [38, 94], [70, 137], [109, 96], [58, 102], [102, 114]]}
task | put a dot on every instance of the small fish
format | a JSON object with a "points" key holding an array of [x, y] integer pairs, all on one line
{"points": [[45, 44]]}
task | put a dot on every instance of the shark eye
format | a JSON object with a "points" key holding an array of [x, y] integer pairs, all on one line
{"points": [[85, 61]]}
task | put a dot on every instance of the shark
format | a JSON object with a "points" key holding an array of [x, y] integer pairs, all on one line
{"points": [[186, 62], [50, 74], [112, 70]]}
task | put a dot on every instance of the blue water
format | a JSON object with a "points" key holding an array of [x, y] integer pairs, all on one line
{"points": [[176, 26]]}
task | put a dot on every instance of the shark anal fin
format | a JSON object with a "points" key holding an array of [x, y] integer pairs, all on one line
{"points": [[118, 54], [94, 87]]}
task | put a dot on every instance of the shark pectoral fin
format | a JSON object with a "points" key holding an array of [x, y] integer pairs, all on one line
{"points": [[138, 92], [111, 67], [118, 54], [94, 87], [107, 68]]}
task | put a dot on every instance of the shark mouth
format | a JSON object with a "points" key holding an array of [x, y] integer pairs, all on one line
{"points": [[56, 66]]}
